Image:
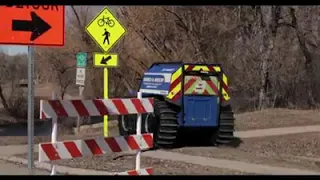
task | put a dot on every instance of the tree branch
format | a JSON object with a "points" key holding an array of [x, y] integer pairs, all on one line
{"points": [[77, 17], [84, 37], [286, 24], [153, 46], [182, 25]]}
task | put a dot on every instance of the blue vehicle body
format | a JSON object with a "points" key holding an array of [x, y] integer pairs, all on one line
{"points": [[195, 110]]}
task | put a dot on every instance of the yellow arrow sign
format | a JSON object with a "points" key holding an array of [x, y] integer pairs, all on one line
{"points": [[105, 30], [105, 60]]}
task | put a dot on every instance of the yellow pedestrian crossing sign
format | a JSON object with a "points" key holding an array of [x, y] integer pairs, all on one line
{"points": [[105, 60], [105, 30]]}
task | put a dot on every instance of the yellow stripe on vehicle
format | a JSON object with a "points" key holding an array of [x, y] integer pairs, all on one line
{"points": [[217, 68], [197, 68], [176, 74], [210, 90], [225, 79], [225, 94], [174, 91], [206, 68]]}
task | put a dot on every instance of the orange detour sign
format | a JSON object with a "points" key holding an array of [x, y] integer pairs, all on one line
{"points": [[40, 25]]}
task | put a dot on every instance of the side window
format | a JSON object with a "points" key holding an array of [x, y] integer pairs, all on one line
{"points": [[201, 85]]}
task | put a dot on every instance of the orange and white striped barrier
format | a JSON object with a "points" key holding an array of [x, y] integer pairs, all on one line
{"points": [[91, 147], [99, 145], [146, 171], [96, 107]]}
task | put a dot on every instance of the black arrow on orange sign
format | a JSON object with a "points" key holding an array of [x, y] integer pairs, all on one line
{"points": [[37, 26]]}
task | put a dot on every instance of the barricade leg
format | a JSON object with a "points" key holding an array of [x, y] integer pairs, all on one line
{"points": [[139, 119]]}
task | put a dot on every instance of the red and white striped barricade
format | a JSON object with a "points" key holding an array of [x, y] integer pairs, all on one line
{"points": [[99, 145], [146, 171]]}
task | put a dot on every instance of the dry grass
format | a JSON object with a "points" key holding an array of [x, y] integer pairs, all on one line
{"points": [[275, 118], [293, 151]]}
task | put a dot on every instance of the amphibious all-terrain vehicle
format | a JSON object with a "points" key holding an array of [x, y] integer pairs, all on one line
{"points": [[187, 96]]}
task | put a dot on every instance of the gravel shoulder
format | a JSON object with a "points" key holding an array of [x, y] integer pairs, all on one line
{"points": [[120, 162], [7, 168], [300, 151], [276, 118]]}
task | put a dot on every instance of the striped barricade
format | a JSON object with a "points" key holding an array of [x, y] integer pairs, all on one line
{"points": [[99, 145], [146, 171], [96, 107], [92, 147]]}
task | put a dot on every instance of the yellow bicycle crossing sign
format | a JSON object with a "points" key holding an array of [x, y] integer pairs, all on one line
{"points": [[105, 30]]}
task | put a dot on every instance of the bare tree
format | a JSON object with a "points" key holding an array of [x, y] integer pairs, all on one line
{"points": [[261, 49], [308, 39]]}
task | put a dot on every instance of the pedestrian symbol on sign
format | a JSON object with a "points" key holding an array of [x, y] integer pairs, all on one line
{"points": [[106, 35]]}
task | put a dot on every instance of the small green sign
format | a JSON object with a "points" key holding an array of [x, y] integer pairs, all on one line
{"points": [[81, 59]]}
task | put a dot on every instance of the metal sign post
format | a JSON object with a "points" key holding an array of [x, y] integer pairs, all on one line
{"points": [[106, 61], [81, 88], [81, 58], [105, 96], [43, 30], [30, 109]]}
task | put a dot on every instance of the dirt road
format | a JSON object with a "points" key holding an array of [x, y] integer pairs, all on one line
{"points": [[229, 164], [277, 131], [299, 151]]}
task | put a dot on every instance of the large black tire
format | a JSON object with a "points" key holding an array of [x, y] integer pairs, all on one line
{"points": [[225, 133], [127, 124], [165, 130], [149, 123]]}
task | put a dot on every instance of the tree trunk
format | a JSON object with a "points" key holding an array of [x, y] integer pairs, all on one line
{"points": [[269, 27], [308, 65], [3, 100]]}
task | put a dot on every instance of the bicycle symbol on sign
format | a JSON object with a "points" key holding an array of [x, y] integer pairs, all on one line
{"points": [[106, 21]]}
